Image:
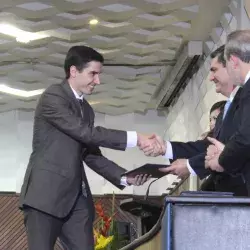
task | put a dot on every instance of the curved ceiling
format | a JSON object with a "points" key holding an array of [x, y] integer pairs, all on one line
{"points": [[139, 40]]}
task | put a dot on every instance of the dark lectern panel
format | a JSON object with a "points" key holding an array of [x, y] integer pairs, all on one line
{"points": [[206, 223], [206, 227]]}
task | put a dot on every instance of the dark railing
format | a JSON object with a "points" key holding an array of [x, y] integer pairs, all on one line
{"points": [[156, 228]]}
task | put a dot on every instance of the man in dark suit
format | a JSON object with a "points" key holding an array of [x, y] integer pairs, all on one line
{"points": [[55, 196], [226, 125], [233, 157]]}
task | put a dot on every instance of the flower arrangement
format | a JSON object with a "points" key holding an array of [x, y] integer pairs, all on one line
{"points": [[104, 233]]}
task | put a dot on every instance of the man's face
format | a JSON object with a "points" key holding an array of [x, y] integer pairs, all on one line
{"points": [[233, 70], [86, 80], [220, 77]]}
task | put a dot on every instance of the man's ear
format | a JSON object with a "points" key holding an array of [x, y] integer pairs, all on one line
{"points": [[73, 71], [235, 61]]}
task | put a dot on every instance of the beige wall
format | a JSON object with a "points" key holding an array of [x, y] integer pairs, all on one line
{"points": [[247, 6]]}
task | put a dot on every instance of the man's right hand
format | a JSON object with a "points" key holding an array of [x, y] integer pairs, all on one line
{"points": [[178, 167], [151, 145]]}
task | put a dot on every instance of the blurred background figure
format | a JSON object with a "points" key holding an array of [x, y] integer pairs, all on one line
{"points": [[215, 110], [208, 183]]}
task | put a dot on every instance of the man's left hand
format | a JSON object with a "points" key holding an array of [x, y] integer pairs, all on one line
{"points": [[138, 180]]}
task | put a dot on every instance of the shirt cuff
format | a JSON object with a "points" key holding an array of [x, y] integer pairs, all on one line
{"points": [[124, 181], [169, 151], [191, 171], [131, 139]]}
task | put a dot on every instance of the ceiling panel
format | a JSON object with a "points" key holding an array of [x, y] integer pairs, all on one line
{"points": [[138, 39]]}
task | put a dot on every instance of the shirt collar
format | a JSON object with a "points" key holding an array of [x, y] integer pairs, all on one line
{"points": [[247, 77], [76, 94], [234, 92]]}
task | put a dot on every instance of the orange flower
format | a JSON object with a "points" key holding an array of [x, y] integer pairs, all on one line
{"points": [[98, 207], [105, 224]]}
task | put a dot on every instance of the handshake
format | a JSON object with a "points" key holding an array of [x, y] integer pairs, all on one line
{"points": [[151, 145]]}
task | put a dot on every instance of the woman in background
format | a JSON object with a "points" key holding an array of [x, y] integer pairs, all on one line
{"points": [[216, 109]]}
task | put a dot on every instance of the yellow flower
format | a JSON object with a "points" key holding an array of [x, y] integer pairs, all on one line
{"points": [[102, 242]]}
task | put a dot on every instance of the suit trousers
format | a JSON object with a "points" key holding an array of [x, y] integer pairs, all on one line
{"points": [[74, 231]]}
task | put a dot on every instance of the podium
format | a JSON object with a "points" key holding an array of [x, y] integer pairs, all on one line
{"points": [[196, 222], [147, 212]]}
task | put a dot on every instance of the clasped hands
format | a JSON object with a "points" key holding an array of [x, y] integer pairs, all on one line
{"points": [[151, 145], [213, 154], [154, 145]]}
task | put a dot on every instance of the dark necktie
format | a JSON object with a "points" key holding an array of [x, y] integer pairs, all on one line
{"points": [[84, 105], [81, 106], [83, 186], [81, 102]]}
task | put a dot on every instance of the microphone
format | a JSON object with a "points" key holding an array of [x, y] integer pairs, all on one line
{"points": [[147, 192]]}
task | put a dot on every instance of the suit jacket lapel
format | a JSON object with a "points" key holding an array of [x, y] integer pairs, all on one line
{"points": [[71, 96], [233, 107], [90, 111], [229, 116], [218, 125], [87, 112], [228, 120]]}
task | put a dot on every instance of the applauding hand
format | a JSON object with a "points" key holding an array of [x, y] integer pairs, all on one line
{"points": [[213, 154]]}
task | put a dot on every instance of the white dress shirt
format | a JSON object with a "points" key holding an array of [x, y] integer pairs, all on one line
{"points": [[131, 138], [169, 151]]}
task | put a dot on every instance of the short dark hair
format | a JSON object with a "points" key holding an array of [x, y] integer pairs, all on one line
{"points": [[80, 56], [218, 105], [219, 53]]}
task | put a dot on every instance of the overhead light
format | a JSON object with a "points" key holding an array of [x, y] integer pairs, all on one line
{"points": [[93, 102], [93, 22], [18, 92], [24, 93], [21, 35]]}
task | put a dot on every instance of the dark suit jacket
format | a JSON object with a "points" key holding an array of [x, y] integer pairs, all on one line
{"points": [[62, 139], [196, 151], [235, 158]]}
